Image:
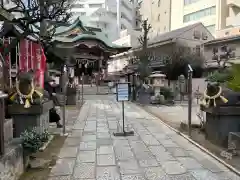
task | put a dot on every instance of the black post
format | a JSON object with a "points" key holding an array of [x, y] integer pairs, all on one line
{"points": [[64, 89], [82, 87], [123, 116], [133, 88], [190, 100]]}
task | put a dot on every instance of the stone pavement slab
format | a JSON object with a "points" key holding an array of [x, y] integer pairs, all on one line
{"points": [[155, 152]]}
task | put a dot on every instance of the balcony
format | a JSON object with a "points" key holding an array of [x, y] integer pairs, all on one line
{"points": [[104, 19], [233, 3], [126, 23], [233, 20]]}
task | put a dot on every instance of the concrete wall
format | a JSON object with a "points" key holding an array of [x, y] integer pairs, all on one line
{"points": [[218, 19], [11, 164], [179, 10], [229, 31], [158, 12]]}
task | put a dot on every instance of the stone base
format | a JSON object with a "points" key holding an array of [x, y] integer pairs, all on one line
{"points": [[218, 128], [8, 130], [24, 122], [11, 164], [71, 99], [28, 118]]}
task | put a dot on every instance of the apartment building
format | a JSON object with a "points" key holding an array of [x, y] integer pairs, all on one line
{"points": [[216, 15], [111, 16], [158, 13]]}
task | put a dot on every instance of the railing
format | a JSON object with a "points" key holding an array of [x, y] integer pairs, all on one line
{"points": [[2, 120]]}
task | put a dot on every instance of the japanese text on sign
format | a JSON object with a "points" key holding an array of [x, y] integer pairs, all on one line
{"points": [[122, 92]]}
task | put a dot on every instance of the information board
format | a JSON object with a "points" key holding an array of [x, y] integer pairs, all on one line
{"points": [[122, 91]]}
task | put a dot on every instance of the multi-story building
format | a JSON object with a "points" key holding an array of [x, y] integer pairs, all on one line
{"points": [[158, 13], [232, 21], [111, 16], [216, 15]]}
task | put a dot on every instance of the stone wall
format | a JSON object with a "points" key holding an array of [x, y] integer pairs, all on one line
{"points": [[11, 164]]}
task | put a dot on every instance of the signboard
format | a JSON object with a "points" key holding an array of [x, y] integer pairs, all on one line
{"points": [[122, 91]]}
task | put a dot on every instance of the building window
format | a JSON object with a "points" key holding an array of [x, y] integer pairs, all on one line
{"points": [[187, 2], [159, 3], [78, 6], [83, 13], [196, 35], [159, 17], [204, 36], [211, 28], [136, 23], [199, 14], [198, 50], [95, 5]]}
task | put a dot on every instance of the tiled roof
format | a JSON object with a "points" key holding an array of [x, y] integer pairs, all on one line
{"points": [[224, 39], [171, 35]]}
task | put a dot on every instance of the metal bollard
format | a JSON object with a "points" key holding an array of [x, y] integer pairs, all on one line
{"points": [[190, 71], [2, 119]]}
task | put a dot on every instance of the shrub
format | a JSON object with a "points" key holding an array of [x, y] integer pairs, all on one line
{"points": [[32, 140], [220, 77], [234, 82], [167, 92]]}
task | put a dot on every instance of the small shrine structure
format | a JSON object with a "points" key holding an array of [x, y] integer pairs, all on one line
{"points": [[87, 46]]}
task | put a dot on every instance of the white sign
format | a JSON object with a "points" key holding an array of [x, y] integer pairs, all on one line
{"points": [[122, 92]]}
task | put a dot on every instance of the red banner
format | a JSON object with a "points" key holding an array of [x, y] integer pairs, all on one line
{"points": [[32, 57], [39, 63], [23, 55]]}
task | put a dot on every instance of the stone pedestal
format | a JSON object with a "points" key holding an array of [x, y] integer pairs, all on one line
{"points": [[28, 118], [11, 163], [71, 96], [220, 121], [8, 130]]}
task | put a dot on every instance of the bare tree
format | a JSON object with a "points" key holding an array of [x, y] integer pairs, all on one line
{"points": [[143, 39], [223, 56], [175, 63], [144, 57], [36, 17]]}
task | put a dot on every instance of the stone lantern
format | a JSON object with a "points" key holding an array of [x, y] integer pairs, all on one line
{"points": [[158, 82]]}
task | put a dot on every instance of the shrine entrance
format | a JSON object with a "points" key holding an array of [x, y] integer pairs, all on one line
{"points": [[89, 74], [88, 50]]}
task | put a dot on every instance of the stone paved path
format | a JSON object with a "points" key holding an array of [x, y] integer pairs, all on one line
{"points": [[155, 152]]}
